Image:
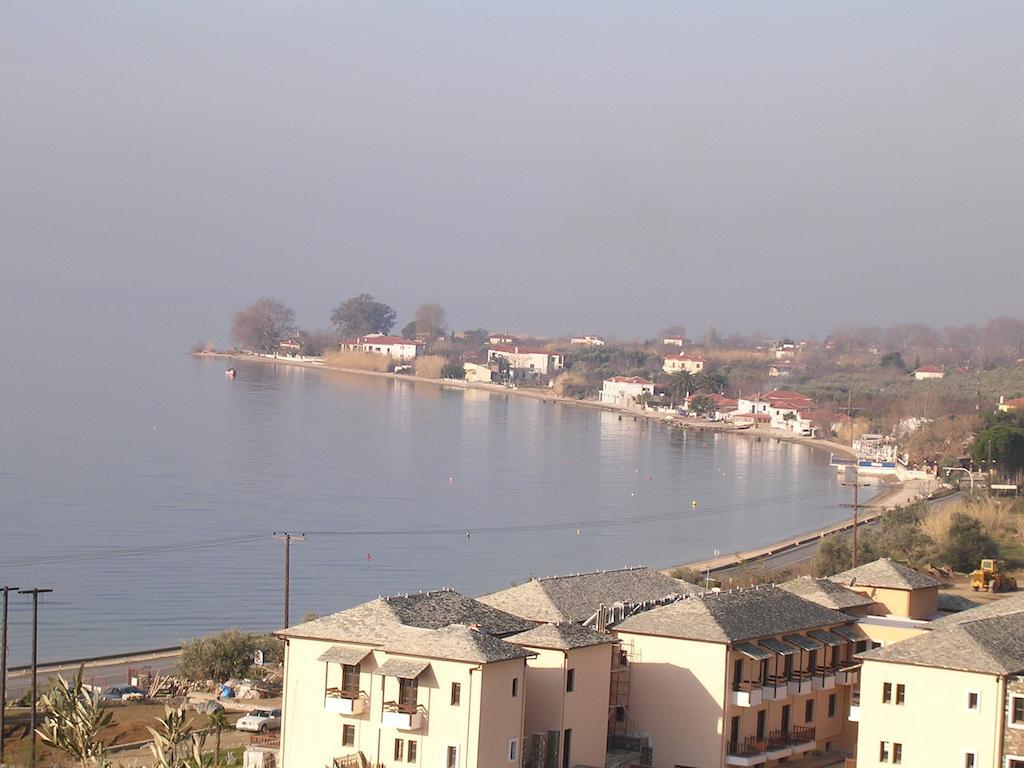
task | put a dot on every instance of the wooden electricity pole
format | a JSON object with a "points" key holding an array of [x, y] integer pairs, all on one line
{"points": [[288, 538], [856, 506]]}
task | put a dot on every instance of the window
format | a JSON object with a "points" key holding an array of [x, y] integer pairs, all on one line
{"points": [[451, 759], [973, 699], [570, 680], [408, 692], [515, 686], [456, 694], [1015, 762], [620, 714], [513, 750], [1017, 711], [348, 735], [410, 752], [970, 760], [883, 752], [760, 724], [832, 705], [897, 752], [399, 748], [350, 679], [809, 711], [901, 691], [886, 693]]}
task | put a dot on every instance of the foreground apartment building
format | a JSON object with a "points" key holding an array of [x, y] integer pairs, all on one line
{"points": [[634, 668]]}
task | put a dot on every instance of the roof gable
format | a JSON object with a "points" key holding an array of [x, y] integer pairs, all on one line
{"points": [[885, 574]]}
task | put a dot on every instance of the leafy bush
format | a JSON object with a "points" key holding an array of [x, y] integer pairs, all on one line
{"points": [[453, 371], [966, 543], [227, 654]]}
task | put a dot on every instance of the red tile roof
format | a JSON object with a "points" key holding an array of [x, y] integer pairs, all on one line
{"points": [[387, 340], [694, 358], [929, 369]]}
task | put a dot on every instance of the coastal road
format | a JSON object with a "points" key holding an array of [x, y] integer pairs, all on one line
{"points": [[803, 553], [101, 672]]}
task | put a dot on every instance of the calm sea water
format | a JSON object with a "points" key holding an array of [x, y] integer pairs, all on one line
{"points": [[145, 494]]}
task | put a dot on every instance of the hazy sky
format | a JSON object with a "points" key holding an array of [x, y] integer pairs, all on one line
{"points": [[546, 167]]}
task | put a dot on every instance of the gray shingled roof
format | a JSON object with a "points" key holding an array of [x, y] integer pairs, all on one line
{"points": [[577, 597], [742, 614], [387, 619], [562, 637], [1001, 607], [990, 644], [886, 574], [950, 603], [459, 643], [826, 592]]}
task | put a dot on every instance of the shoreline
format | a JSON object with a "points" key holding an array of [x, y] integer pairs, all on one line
{"points": [[698, 425]]}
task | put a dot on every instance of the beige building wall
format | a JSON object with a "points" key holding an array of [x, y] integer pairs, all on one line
{"points": [[584, 710], [934, 725], [677, 695], [912, 604], [480, 726]]}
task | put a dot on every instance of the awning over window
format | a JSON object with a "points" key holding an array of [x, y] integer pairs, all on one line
{"points": [[344, 654], [755, 653], [802, 642], [826, 637], [851, 632], [779, 647], [409, 669]]}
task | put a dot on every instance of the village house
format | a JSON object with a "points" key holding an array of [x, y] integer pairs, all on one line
{"points": [[953, 695], [423, 679], [929, 372], [290, 347], [787, 410], [624, 390], [478, 372], [673, 341], [723, 406], [501, 338], [588, 341], [677, 363], [524, 362], [745, 677], [780, 370], [1012, 404], [395, 347]]}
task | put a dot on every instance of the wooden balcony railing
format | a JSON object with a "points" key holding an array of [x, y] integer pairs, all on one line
{"points": [[746, 747], [802, 734], [340, 693]]}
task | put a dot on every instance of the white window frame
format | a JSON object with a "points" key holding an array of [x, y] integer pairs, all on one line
{"points": [[886, 747], [967, 700], [512, 755], [1013, 757]]}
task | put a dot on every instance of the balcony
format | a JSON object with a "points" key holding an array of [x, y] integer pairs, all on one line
{"points": [[800, 683], [402, 717], [746, 694], [746, 752], [854, 707], [849, 676], [344, 702], [775, 689], [824, 679], [779, 745], [802, 739]]}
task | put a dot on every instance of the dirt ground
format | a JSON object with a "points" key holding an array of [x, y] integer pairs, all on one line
{"points": [[128, 726]]}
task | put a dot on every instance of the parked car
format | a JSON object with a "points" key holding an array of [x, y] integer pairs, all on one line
{"points": [[260, 720], [123, 693]]}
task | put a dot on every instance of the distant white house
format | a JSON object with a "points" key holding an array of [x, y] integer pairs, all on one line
{"points": [[290, 346], [784, 409], [624, 390], [378, 344], [673, 341], [929, 372], [780, 370], [524, 361], [501, 338], [589, 341], [678, 363]]}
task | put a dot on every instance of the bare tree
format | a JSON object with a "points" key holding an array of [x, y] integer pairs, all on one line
{"points": [[263, 326], [430, 321]]}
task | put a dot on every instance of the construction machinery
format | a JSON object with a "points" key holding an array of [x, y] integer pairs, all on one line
{"points": [[992, 577]]}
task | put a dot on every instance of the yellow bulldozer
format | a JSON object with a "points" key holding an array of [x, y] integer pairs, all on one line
{"points": [[992, 577]]}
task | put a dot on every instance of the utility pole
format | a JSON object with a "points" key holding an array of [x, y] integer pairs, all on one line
{"points": [[3, 668], [35, 592], [288, 538], [857, 485]]}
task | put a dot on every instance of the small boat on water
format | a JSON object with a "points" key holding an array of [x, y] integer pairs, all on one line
{"points": [[230, 373]]}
